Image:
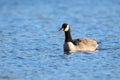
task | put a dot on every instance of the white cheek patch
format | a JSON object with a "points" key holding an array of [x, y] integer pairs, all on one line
{"points": [[67, 28]]}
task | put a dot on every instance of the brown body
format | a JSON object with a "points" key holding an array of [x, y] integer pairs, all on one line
{"points": [[83, 44]]}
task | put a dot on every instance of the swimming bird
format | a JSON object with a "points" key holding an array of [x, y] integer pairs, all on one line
{"points": [[77, 45]]}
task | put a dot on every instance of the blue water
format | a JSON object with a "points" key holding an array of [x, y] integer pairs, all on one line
{"points": [[31, 47]]}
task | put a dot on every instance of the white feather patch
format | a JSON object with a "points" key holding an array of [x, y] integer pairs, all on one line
{"points": [[71, 46], [97, 45]]}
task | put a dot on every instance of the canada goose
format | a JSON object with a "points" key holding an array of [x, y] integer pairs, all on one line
{"points": [[77, 45]]}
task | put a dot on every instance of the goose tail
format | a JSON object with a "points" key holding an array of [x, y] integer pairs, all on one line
{"points": [[98, 42]]}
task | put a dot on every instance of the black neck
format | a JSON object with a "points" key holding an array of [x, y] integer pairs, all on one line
{"points": [[68, 37]]}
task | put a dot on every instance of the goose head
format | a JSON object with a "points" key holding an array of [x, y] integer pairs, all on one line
{"points": [[65, 27]]}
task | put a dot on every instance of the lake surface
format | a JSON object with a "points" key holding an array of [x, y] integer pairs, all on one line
{"points": [[31, 47]]}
